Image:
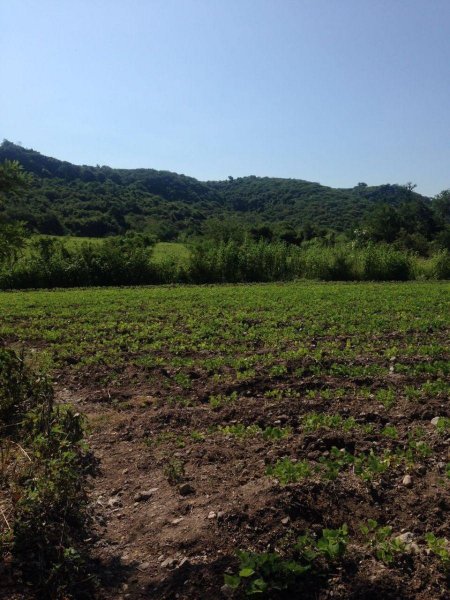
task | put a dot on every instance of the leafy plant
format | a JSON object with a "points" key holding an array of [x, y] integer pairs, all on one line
{"points": [[440, 547], [174, 471], [47, 480], [269, 571], [380, 539], [288, 471]]}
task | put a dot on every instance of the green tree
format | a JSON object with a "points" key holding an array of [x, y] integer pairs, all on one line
{"points": [[13, 180]]}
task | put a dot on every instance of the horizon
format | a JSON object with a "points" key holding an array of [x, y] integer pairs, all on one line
{"points": [[318, 91], [98, 165]]}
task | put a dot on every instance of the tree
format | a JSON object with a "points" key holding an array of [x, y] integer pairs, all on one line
{"points": [[13, 179], [441, 206], [383, 224]]}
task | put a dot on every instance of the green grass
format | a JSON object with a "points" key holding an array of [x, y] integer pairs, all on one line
{"points": [[161, 252], [170, 250]]}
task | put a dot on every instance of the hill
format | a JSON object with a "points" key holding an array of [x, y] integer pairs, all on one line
{"points": [[96, 201]]}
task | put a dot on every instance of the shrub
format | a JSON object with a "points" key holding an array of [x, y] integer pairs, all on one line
{"points": [[44, 469]]}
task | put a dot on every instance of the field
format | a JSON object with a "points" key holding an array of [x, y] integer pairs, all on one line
{"points": [[305, 424], [162, 250]]}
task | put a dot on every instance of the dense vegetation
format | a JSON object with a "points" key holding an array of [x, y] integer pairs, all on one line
{"points": [[97, 201], [43, 500], [128, 260]]}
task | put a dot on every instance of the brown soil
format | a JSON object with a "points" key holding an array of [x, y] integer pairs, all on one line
{"points": [[233, 504]]}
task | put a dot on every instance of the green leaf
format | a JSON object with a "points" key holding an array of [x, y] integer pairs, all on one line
{"points": [[233, 581], [246, 572]]}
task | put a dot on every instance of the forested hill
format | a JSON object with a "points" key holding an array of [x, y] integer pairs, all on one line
{"points": [[97, 201]]}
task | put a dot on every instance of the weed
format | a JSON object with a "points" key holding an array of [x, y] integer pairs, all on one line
{"points": [[174, 471]]}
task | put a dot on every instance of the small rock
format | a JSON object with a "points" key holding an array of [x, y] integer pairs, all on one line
{"points": [[144, 566], [414, 548], [212, 515], [161, 558], [145, 495], [182, 562], [185, 489], [220, 515], [114, 501], [435, 420], [285, 521], [177, 520], [406, 538], [169, 562], [407, 481]]}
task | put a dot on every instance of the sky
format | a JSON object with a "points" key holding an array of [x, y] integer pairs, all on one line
{"points": [[334, 91]]}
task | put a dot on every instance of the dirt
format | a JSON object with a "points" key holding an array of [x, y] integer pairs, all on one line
{"points": [[179, 546]]}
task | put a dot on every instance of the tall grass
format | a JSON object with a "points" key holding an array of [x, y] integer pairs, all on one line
{"points": [[123, 261]]}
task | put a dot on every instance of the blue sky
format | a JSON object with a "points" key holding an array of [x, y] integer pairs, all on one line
{"points": [[335, 91]]}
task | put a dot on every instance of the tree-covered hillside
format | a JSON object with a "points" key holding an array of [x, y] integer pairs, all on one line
{"points": [[97, 201]]}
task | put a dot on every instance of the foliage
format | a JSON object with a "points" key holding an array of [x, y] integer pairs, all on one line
{"points": [[263, 573], [380, 539], [288, 471], [100, 201], [44, 471], [440, 547]]}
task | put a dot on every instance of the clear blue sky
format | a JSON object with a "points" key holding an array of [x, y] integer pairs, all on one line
{"points": [[335, 91]]}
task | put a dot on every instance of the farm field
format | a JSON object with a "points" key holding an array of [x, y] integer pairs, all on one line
{"points": [[303, 424]]}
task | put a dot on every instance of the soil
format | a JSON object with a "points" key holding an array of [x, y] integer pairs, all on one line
{"points": [[178, 542]]}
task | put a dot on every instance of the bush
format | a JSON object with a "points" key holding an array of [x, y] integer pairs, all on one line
{"points": [[43, 470], [384, 263]]}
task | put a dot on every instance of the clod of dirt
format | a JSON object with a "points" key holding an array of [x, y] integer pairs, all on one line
{"points": [[145, 495], [168, 563], [114, 501], [185, 489]]}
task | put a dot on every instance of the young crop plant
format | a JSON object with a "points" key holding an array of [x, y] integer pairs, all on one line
{"points": [[314, 421], [441, 548], [261, 574], [276, 433], [216, 401], [367, 466], [390, 432], [269, 572], [380, 539], [197, 436], [288, 471], [331, 545], [443, 425], [386, 396], [240, 430]]}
